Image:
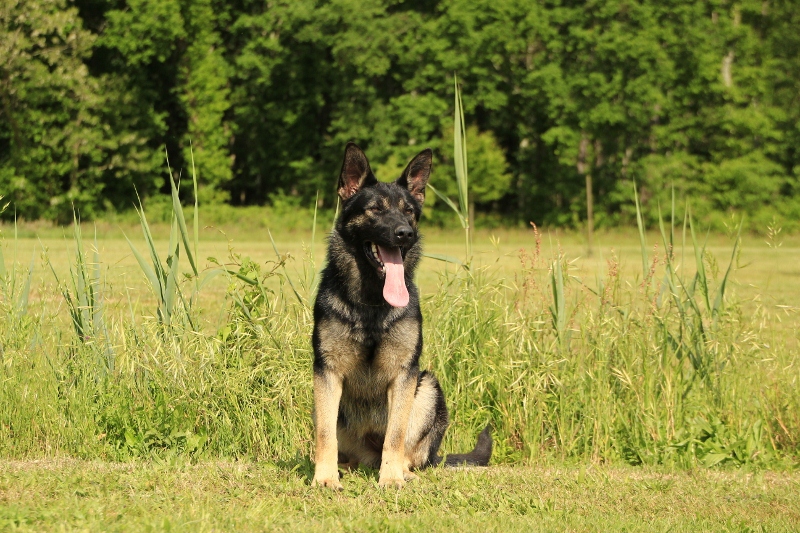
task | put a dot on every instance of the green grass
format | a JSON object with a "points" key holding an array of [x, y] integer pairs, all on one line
{"points": [[764, 271], [604, 384], [69, 495], [766, 279], [618, 402]]}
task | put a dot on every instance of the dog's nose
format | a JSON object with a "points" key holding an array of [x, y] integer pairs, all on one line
{"points": [[404, 233]]}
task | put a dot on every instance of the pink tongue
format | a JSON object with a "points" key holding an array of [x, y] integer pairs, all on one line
{"points": [[394, 288]]}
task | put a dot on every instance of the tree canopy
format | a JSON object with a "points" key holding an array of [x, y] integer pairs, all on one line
{"points": [[262, 95]]}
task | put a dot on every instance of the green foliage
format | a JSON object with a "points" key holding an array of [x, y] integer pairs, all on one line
{"points": [[61, 140], [50, 107], [147, 31], [165, 279], [699, 95], [205, 97], [489, 178]]}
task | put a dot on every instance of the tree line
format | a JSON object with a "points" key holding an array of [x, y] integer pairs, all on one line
{"points": [[568, 103]]}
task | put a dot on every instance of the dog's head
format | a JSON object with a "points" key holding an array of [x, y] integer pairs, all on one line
{"points": [[380, 219]]}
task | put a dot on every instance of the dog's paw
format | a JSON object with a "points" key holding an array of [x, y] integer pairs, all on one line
{"points": [[391, 475], [408, 475], [391, 483], [327, 482]]}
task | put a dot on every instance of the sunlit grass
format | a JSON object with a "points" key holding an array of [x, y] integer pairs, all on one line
{"points": [[69, 495], [594, 384], [568, 384]]}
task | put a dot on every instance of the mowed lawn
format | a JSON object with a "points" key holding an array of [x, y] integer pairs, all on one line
{"points": [[68, 495]]}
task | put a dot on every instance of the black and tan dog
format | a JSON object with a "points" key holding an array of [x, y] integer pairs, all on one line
{"points": [[372, 404]]}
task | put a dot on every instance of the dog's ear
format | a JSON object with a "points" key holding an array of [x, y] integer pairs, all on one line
{"points": [[356, 173], [415, 176]]}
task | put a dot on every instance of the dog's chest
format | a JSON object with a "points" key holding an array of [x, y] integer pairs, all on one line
{"points": [[369, 352]]}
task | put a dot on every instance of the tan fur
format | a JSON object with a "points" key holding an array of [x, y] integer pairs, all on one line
{"points": [[327, 392], [386, 382]]}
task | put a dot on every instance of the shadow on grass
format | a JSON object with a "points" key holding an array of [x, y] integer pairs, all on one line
{"points": [[300, 465], [303, 467]]}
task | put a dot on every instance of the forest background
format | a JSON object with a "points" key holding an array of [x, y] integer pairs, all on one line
{"points": [[562, 98]]}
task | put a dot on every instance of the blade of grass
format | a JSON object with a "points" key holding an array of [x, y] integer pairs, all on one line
{"points": [[195, 214], [460, 161], [3, 271], [669, 275], [72, 307], [26, 287], [720, 298], [285, 273], [211, 274], [450, 203], [313, 265], [672, 224], [336, 213], [149, 273], [99, 313], [157, 267], [95, 281], [640, 225], [14, 258], [558, 309], [314, 227], [184, 232], [173, 259], [81, 283], [686, 215], [130, 308], [445, 258], [700, 276]]}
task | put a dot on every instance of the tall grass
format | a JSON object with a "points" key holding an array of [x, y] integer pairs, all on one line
{"points": [[83, 296], [462, 175], [662, 369]]}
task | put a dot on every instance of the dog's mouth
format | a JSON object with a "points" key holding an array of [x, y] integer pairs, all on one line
{"points": [[376, 254], [388, 261]]}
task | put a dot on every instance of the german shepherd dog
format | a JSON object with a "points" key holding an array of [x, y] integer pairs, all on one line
{"points": [[372, 404]]}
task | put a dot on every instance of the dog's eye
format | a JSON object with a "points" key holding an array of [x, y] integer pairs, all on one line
{"points": [[375, 209], [408, 211]]}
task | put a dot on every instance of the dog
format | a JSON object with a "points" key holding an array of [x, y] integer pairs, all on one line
{"points": [[372, 404]]}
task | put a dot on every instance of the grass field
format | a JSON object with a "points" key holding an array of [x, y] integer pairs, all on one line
{"points": [[764, 270], [627, 394], [68, 495], [765, 277]]}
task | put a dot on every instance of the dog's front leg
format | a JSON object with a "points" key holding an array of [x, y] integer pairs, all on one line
{"points": [[327, 393], [400, 401]]}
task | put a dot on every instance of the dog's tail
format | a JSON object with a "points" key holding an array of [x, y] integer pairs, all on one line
{"points": [[479, 456]]}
